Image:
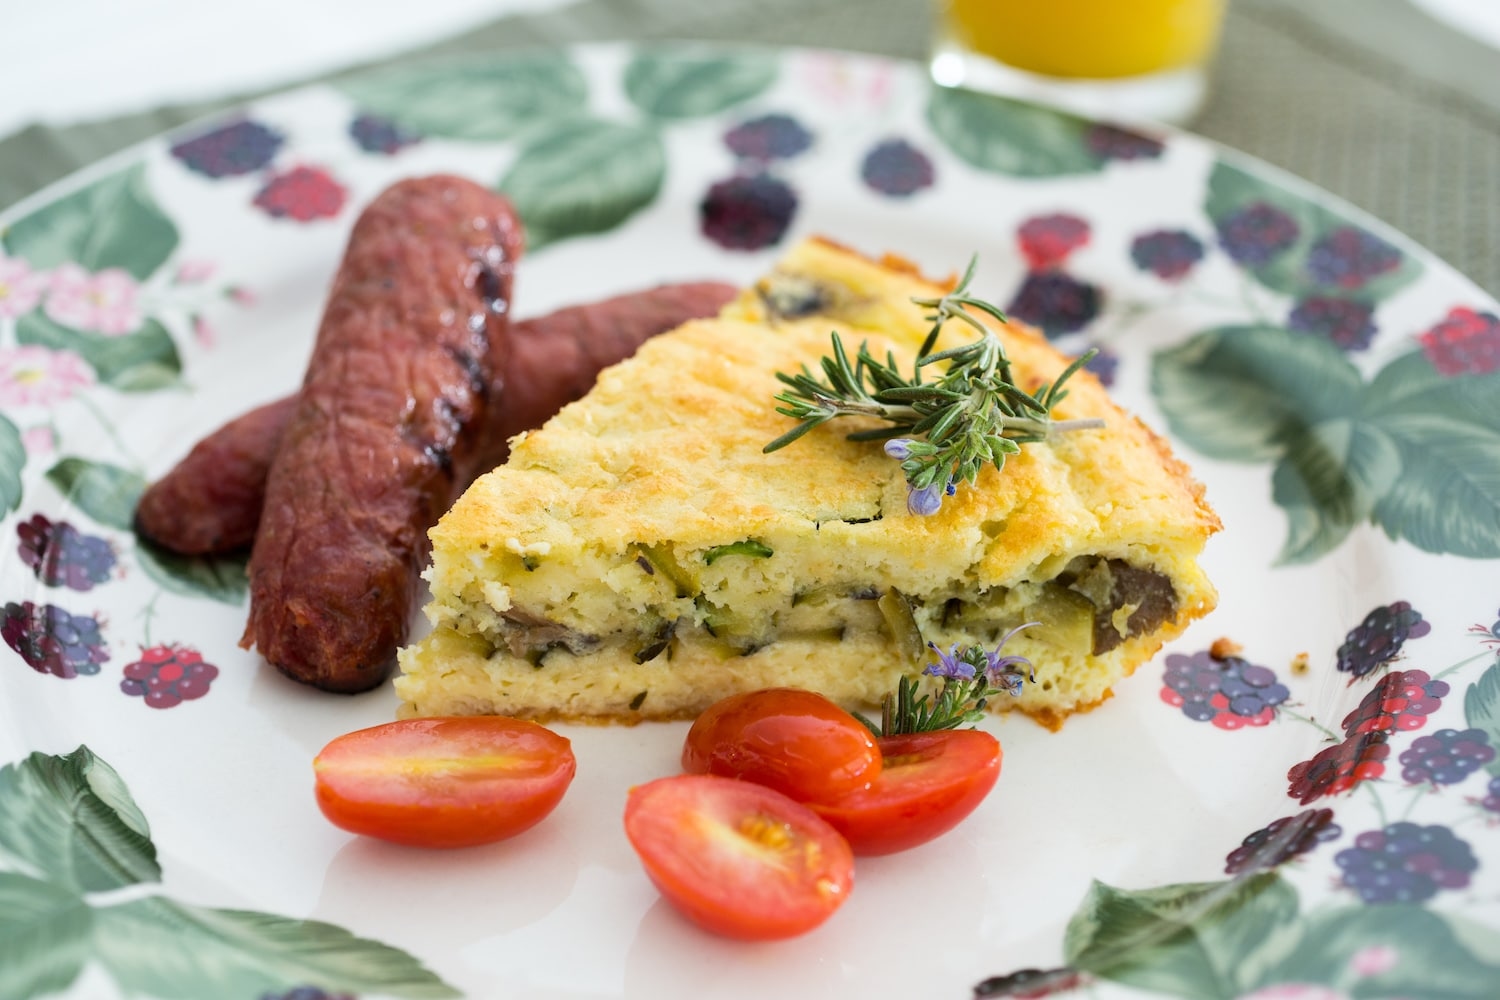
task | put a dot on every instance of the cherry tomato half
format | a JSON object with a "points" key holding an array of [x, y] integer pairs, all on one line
{"points": [[737, 858], [929, 783], [443, 782], [794, 741]]}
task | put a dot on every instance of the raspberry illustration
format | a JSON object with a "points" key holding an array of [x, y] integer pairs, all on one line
{"points": [[1110, 142], [1104, 365], [1350, 258], [1343, 322], [1167, 253], [307, 993], [897, 168], [1401, 700], [1378, 639], [1340, 767], [770, 137], [1056, 302], [1465, 343], [747, 213], [375, 134], [168, 675], [1047, 240], [1230, 692], [61, 555], [1031, 984], [1257, 234], [1446, 757], [302, 194], [240, 147], [53, 641], [1282, 840], [1406, 863]]}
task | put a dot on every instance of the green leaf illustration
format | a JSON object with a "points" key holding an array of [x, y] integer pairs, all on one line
{"points": [[12, 462], [221, 579], [1244, 393], [476, 100], [681, 83], [1329, 480], [1003, 136], [1200, 940], [1232, 190], [1482, 709], [72, 820], [134, 362], [584, 176], [1448, 496], [44, 937], [1431, 961], [105, 492], [1411, 386], [162, 948], [114, 222]]}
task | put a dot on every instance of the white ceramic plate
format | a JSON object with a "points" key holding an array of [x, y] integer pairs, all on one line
{"points": [[1331, 383]]}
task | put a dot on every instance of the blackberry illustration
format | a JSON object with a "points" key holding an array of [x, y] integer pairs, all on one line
{"points": [[307, 993], [1491, 800], [767, 138], [52, 640], [302, 194], [1110, 142], [1230, 692], [1047, 240], [375, 134], [1282, 840], [1055, 302], [1465, 343], [240, 147], [897, 168], [1406, 863], [1104, 365], [61, 555], [1446, 757], [1167, 253], [1257, 234], [1031, 984], [1343, 322], [747, 212], [1378, 639], [1350, 258], [1340, 767], [1401, 700], [168, 675]]}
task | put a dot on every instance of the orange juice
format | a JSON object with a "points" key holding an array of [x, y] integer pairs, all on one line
{"points": [[1090, 39]]}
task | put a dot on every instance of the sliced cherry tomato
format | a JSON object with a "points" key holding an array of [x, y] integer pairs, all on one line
{"points": [[737, 858], [930, 782], [443, 782], [794, 741]]}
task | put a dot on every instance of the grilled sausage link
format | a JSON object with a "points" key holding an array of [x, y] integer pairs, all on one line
{"points": [[210, 502], [386, 429]]}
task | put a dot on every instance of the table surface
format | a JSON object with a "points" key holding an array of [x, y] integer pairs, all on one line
{"points": [[1372, 100]]}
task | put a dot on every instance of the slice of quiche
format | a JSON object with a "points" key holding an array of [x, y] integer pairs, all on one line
{"points": [[640, 556]]}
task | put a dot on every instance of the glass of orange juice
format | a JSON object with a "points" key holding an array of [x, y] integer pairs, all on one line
{"points": [[1129, 60]]}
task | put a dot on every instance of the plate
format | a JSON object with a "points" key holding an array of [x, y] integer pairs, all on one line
{"points": [[1312, 812]]}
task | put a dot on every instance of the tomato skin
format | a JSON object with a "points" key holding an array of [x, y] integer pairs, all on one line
{"points": [[736, 858], [443, 782], [930, 782], [797, 742]]}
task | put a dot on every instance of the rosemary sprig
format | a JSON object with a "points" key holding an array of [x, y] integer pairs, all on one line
{"points": [[970, 678], [942, 432]]}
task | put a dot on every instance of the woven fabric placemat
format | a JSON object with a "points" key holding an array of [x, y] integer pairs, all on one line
{"points": [[1368, 99]]}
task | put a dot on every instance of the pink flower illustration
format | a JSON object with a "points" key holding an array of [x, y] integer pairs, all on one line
{"points": [[104, 302], [203, 331], [240, 295], [39, 439], [194, 271], [1296, 991], [20, 287], [1374, 960], [39, 376], [840, 80]]}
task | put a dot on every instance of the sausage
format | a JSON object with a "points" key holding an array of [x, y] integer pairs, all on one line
{"points": [[385, 429], [210, 502]]}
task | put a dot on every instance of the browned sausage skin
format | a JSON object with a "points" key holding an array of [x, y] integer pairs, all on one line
{"points": [[210, 502], [385, 430]]}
